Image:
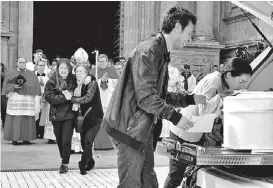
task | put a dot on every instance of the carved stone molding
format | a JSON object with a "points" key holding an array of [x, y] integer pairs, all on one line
{"points": [[235, 44], [6, 34], [207, 45], [200, 59], [237, 18]]}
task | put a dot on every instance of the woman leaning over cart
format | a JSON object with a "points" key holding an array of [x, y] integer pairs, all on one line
{"points": [[86, 100], [215, 86]]}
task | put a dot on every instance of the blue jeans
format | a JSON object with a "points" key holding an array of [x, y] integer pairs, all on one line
{"points": [[136, 169]]}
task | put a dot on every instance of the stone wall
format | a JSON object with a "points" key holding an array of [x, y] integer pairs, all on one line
{"points": [[16, 31], [237, 29], [221, 27]]}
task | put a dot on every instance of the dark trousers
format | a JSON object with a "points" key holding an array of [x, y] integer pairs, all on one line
{"points": [[156, 133], [3, 109], [40, 130], [136, 169], [87, 140], [177, 169], [63, 131]]}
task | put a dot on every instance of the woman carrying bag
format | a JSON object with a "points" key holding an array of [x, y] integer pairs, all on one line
{"points": [[88, 108]]}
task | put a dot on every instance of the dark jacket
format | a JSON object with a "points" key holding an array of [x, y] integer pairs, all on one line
{"points": [[141, 94], [60, 108], [90, 97]]}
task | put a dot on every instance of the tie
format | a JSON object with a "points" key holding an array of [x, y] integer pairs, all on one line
{"points": [[40, 74], [186, 84]]}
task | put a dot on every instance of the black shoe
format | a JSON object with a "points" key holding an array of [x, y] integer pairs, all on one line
{"points": [[90, 165], [51, 141], [82, 168], [63, 169], [15, 143], [26, 142]]}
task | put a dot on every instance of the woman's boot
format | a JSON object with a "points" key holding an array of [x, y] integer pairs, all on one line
{"points": [[82, 168]]}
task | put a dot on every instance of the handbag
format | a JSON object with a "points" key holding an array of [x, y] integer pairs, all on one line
{"points": [[80, 120]]}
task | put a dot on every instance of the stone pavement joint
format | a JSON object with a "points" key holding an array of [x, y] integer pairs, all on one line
{"points": [[97, 178]]}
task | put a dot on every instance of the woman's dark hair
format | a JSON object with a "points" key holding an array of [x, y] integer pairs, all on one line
{"points": [[177, 15], [238, 66], [69, 76]]}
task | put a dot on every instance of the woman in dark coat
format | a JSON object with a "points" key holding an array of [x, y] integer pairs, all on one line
{"points": [[86, 100], [58, 92]]}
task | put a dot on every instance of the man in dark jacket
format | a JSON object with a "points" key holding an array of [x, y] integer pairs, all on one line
{"points": [[140, 100]]}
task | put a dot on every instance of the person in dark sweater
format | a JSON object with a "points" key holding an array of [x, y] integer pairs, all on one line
{"points": [[86, 100]]}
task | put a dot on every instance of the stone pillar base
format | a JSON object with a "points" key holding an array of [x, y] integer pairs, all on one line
{"points": [[200, 56]]}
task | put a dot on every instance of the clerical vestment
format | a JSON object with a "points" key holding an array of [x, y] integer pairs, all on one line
{"points": [[23, 106], [107, 88]]}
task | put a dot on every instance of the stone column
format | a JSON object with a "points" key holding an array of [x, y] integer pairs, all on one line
{"points": [[25, 36], [1, 12], [130, 26], [147, 19], [204, 26], [121, 29], [139, 23]]}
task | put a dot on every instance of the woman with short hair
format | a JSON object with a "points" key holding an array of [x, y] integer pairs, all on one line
{"points": [[86, 100]]}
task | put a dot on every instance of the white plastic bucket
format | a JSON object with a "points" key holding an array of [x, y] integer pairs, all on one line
{"points": [[248, 130]]}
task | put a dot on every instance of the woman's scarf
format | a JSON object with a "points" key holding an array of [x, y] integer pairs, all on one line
{"points": [[77, 93]]}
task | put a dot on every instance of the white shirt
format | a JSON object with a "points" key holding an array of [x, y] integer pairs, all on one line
{"points": [[191, 83], [208, 86], [30, 66]]}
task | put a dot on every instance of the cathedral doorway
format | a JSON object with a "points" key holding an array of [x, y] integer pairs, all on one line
{"points": [[60, 28]]}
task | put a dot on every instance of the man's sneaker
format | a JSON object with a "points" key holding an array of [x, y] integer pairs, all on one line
{"points": [[63, 169], [82, 168]]}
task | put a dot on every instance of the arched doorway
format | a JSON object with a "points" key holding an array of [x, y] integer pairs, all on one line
{"points": [[60, 28]]}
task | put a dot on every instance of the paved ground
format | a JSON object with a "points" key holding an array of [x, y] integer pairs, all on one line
{"points": [[98, 178], [36, 166], [43, 156]]}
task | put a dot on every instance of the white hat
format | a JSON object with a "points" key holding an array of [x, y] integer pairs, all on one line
{"points": [[81, 55]]}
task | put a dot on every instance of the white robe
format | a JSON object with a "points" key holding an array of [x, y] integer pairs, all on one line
{"points": [[174, 85], [208, 86]]}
